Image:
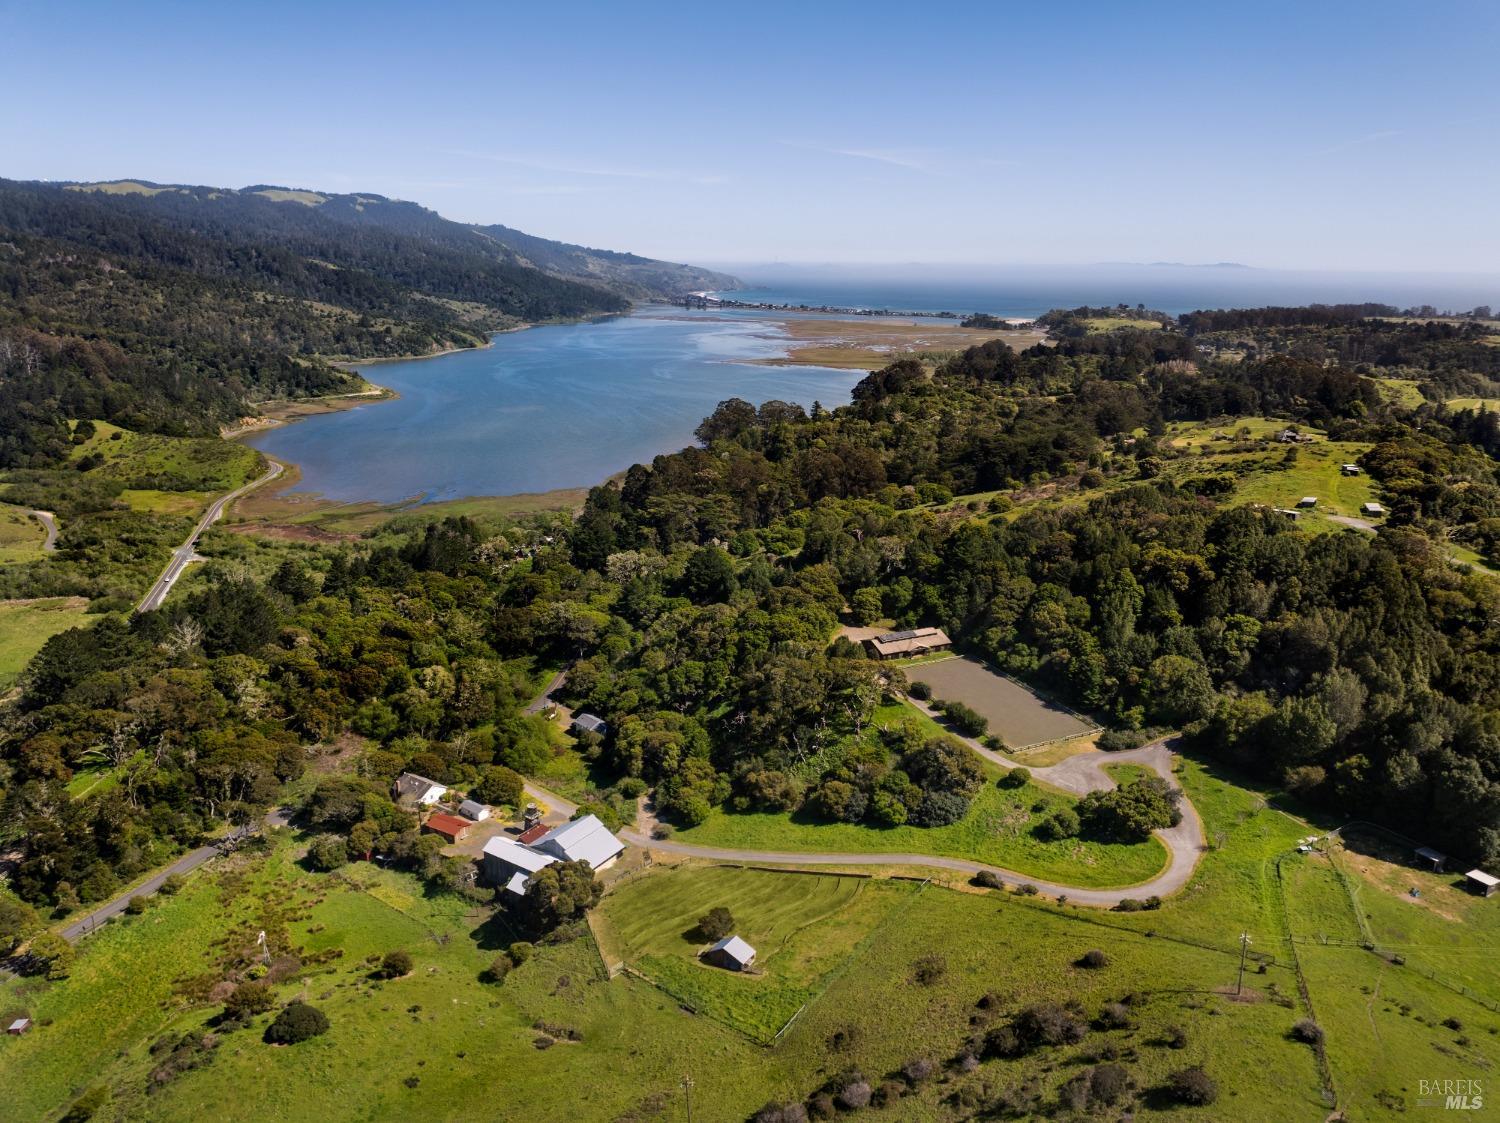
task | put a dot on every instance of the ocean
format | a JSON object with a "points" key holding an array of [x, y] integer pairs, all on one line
{"points": [[1031, 290]]}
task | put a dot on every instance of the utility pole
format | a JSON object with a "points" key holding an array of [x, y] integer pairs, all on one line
{"points": [[1244, 947], [687, 1091]]}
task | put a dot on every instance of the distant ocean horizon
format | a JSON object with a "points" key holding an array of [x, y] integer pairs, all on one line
{"points": [[1030, 290]]}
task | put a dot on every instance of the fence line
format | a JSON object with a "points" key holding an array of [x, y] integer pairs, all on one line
{"points": [[1325, 1070]]}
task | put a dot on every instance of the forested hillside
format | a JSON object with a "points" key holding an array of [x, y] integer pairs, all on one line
{"points": [[1102, 549], [176, 309]]}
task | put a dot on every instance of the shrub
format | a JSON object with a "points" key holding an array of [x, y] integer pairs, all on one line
{"points": [[247, 1000], [137, 905], [1062, 823], [663, 831], [394, 965], [1108, 1083], [919, 1069], [632, 787], [1308, 1032], [1114, 1015], [775, 1112], [1192, 1086], [820, 1106], [520, 952], [966, 719], [1175, 1037], [716, 923], [296, 1022], [1128, 904], [328, 852], [1015, 778], [843, 1039], [929, 969], [1093, 959], [1132, 811], [988, 879], [499, 967], [920, 691], [1027, 890], [87, 1105], [889, 1092], [855, 1094], [173, 884]]}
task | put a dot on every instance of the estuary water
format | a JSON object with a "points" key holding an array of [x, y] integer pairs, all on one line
{"points": [[545, 408]]}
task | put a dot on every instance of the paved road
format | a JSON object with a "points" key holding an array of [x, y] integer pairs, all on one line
{"points": [[185, 553], [278, 817], [539, 703], [49, 524]]}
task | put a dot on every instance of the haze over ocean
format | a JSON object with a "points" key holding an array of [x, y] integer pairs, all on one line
{"points": [[1029, 290]]}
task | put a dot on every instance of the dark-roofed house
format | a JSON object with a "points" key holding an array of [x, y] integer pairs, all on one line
{"points": [[1486, 885], [410, 788], [589, 723], [731, 953], [917, 641], [447, 826]]}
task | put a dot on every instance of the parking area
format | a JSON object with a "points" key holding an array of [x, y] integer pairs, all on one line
{"points": [[1016, 715]]}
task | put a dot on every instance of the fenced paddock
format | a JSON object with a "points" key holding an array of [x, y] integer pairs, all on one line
{"points": [[1017, 716]]}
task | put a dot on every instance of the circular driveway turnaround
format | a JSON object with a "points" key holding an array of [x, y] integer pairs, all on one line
{"points": [[1079, 774]]}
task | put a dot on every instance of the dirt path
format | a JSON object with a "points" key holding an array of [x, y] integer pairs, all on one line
{"points": [[49, 524]]}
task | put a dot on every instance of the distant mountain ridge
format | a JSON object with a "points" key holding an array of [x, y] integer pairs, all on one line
{"points": [[176, 309], [631, 275]]}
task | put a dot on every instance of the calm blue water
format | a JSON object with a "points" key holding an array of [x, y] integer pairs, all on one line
{"points": [[545, 408], [1032, 290]]}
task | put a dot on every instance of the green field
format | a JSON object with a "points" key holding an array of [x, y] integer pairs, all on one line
{"points": [[21, 535], [804, 928], [25, 625], [1099, 324], [149, 463], [438, 1042], [1491, 404], [996, 830], [1400, 392]]}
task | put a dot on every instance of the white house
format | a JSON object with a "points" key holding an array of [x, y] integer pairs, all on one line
{"points": [[582, 840], [474, 810], [508, 863], [411, 788]]}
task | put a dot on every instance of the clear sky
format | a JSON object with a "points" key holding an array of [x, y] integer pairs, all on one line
{"points": [[1315, 134]]}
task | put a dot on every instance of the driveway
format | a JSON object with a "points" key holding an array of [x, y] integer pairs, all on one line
{"points": [[278, 817]]}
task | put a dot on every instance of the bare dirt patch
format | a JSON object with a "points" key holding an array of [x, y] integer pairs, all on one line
{"points": [[1015, 714]]}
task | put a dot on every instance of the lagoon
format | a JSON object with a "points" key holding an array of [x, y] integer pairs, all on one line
{"points": [[550, 407]]}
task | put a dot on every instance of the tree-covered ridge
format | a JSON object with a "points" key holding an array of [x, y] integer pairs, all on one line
{"points": [[175, 313]]}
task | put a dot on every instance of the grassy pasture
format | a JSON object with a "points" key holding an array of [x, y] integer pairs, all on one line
{"points": [[1474, 403], [996, 830], [21, 535], [150, 463], [25, 625], [804, 927], [1098, 324]]}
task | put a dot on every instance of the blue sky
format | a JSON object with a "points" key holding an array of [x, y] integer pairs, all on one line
{"points": [[1319, 134]]}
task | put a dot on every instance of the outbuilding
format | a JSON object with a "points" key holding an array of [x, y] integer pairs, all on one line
{"points": [[18, 1027], [1431, 858], [447, 826], [473, 809], [1350, 469], [1308, 501], [505, 858], [1371, 509], [589, 723], [1486, 885], [731, 953]]}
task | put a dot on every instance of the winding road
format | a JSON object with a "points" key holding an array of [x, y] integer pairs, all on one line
{"points": [[1078, 774], [49, 524], [185, 554]]}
